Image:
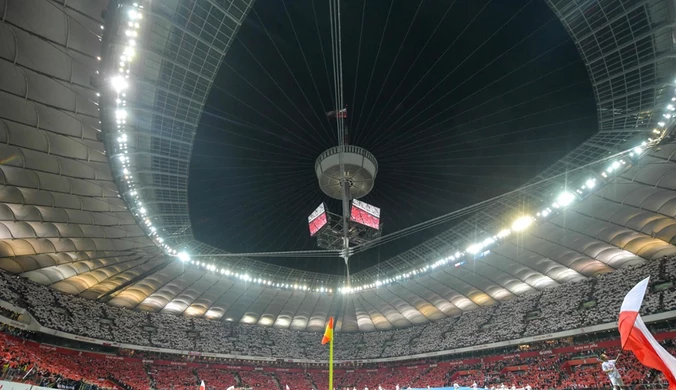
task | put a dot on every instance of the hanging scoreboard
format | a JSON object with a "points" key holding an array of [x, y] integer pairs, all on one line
{"points": [[317, 220], [365, 214]]}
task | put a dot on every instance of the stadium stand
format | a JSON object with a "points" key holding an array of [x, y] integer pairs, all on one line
{"points": [[568, 306], [259, 380], [172, 377], [216, 378], [295, 381], [49, 367], [564, 307], [570, 366]]}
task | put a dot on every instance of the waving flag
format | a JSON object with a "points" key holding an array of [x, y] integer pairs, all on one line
{"points": [[328, 333], [328, 338], [637, 338]]}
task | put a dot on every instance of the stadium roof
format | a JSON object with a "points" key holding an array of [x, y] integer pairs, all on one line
{"points": [[107, 222]]}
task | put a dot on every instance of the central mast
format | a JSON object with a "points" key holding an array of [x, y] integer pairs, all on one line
{"points": [[341, 114]]}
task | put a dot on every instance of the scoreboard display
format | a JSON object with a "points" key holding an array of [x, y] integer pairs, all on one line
{"points": [[317, 220], [365, 214]]}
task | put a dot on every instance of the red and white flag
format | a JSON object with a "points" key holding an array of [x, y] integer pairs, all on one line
{"points": [[637, 338], [202, 387], [337, 114]]}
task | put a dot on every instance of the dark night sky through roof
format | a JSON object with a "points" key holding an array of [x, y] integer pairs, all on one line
{"points": [[458, 100]]}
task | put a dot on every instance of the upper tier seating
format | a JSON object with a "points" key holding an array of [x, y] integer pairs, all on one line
{"points": [[551, 310]]}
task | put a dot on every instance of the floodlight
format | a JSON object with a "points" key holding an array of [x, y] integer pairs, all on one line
{"points": [[504, 233], [119, 83], [184, 257], [590, 183], [522, 223], [565, 198], [474, 248]]}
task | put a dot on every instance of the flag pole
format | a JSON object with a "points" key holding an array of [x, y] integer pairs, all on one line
{"points": [[328, 338], [331, 365]]}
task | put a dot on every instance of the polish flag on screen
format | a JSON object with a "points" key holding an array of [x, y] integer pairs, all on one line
{"points": [[637, 338], [202, 387]]}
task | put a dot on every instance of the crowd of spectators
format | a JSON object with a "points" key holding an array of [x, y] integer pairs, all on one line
{"points": [[29, 363], [44, 365], [259, 380], [551, 371], [173, 377], [300, 381], [568, 306], [215, 378]]}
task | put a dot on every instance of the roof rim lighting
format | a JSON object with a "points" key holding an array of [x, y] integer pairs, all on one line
{"points": [[120, 84]]}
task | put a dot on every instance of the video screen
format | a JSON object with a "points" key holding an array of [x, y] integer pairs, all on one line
{"points": [[365, 214], [317, 220]]}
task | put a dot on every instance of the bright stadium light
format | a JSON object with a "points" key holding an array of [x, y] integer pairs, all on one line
{"points": [[119, 83], [504, 233], [590, 183], [565, 198], [184, 257], [522, 223], [473, 249]]}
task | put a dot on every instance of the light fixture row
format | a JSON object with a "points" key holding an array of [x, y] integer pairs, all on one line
{"points": [[520, 224], [524, 222], [120, 85]]}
